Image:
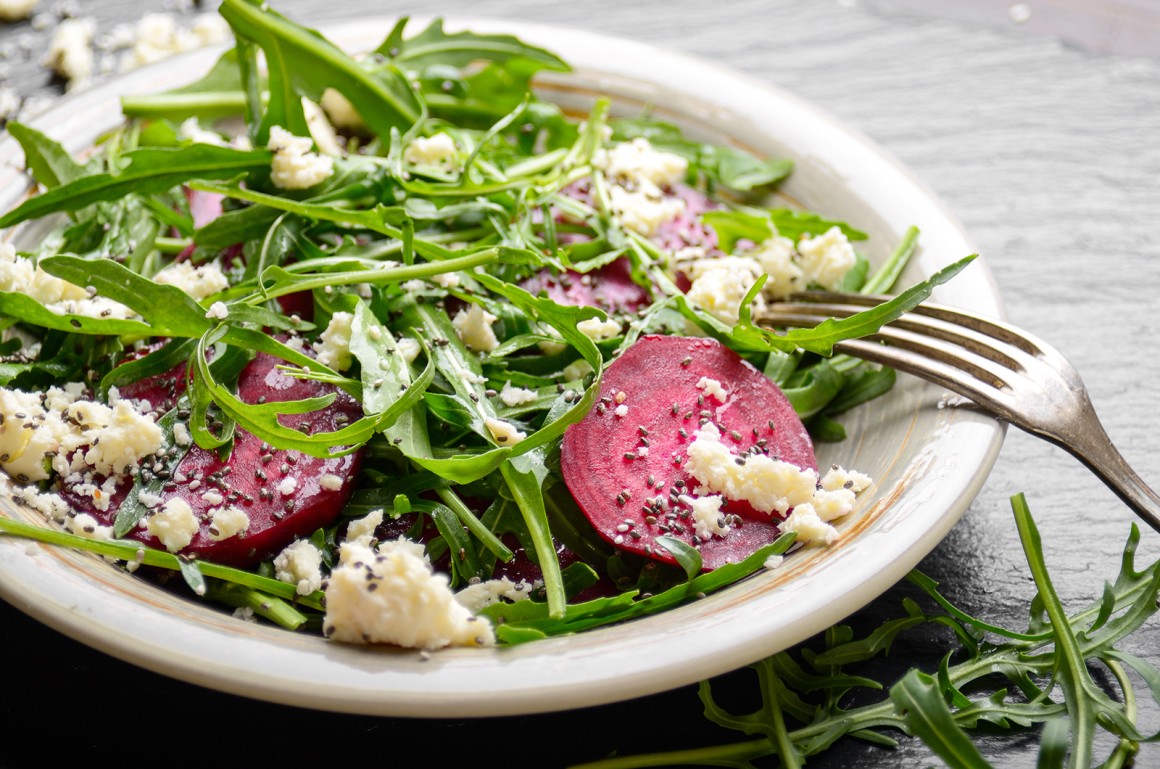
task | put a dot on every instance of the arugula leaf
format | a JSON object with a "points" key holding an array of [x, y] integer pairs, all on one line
{"points": [[218, 94], [48, 161], [303, 63], [434, 46], [145, 171]]}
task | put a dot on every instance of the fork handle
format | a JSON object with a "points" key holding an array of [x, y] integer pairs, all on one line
{"points": [[1094, 448]]}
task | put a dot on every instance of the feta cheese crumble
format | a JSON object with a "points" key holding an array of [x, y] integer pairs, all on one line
{"points": [[474, 328], [598, 330], [516, 396], [295, 166], [228, 522], [719, 285], [827, 258], [504, 433], [300, 564], [190, 130], [218, 311], [174, 524], [636, 161], [70, 52], [712, 389], [199, 282], [437, 150], [392, 596], [769, 486], [16, 10], [19, 275], [333, 348]]}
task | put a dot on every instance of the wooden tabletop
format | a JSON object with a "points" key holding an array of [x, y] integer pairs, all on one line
{"points": [[1049, 154]]}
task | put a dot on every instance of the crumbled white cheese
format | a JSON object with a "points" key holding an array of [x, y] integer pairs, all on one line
{"points": [[48, 504], [644, 209], [621, 411], [516, 396], [809, 527], [287, 485], [18, 275], [16, 10], [840, 478], [59, 426], [214, 497], [190, 130], [392, 596], [9, 103], [341, 112], [577, 370], [409, 348], [831, 505], [362, 531], [770, 485], [712, 389], [470, 377], [474, 328], [719, 285], [229, 521], [779, 261], [827, 258], [158, 36], [175, 524], [333, 349], [437, 151], [330, 482], [199, 282], [295, 166], [217, 311], [635, 160], [483, 594], [504, 433], [707, 517], [300, 564], [70, 52], [85, 525], [598, 330], [321, 130], [181, 435], [773, 562], [446, 279], [767, 484]]}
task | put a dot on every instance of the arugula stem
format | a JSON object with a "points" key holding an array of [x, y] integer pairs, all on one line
{"points": [[134, 551], [474, 525], [172, 245], [381, 276]]}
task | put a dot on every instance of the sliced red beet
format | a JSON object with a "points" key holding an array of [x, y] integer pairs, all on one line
{"points": [[286, 494], [611, 288], [626, 471]]}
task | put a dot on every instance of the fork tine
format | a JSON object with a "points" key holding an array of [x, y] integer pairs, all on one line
{"points": [[1014, 376], [987, 326], [943, 360]]}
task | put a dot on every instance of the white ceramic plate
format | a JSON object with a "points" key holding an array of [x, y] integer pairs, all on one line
{"points": [[928, 461]]}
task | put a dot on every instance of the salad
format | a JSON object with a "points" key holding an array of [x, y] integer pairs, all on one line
{"points": [[411, 356]]}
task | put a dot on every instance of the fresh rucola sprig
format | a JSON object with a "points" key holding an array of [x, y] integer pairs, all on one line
{"points": [[1006, 680]]}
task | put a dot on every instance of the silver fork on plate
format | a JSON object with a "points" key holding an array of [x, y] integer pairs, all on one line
{"points": [[1002, 369]]}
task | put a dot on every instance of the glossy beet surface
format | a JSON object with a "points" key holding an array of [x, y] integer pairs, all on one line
{"points": [[625, 471], [286, 494]]}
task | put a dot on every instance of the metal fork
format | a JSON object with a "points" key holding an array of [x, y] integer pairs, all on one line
{"points": [[1005, 371]]}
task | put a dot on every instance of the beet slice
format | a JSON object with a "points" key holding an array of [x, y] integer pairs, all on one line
{"points": [[630, 499], [252, 477], [611, 288]]}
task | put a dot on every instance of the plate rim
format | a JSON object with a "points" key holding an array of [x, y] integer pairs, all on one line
{"points": [[560, 672]]}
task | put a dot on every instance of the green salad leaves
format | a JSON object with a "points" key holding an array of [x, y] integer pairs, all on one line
{"points": [[464, 232]]}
